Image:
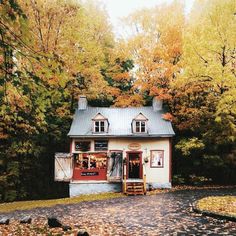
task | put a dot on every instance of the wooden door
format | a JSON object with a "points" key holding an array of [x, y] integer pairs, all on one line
{"points": [[63, 167], [134, 165]]}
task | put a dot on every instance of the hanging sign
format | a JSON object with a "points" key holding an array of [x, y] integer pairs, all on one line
{"points": [[134, 146]]}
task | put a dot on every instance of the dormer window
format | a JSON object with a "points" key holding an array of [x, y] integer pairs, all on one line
{"points": [[139, 124], [100, 124]]}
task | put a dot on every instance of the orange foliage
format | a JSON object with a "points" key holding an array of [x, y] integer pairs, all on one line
{"points": [[121, 76], [168, 116], [156, 47], [124, 100]]}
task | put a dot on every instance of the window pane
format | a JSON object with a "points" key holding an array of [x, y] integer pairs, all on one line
{"points": [[101, 145], [137, 123], [82, 146], [99, 126], [157, 158], [91, 161], [102, 126], [96, 126], [142, 126]]}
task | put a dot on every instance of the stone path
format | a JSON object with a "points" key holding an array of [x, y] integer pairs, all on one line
{"points": [[162, 214]]}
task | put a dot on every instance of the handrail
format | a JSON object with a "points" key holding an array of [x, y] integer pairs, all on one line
{"points": [[124, 183], [144, 179]]}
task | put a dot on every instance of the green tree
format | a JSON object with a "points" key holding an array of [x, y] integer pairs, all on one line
{"points": [[204, 93], [50, 52]]}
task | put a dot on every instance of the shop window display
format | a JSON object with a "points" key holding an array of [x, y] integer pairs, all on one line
{"points": [[91, 161]]}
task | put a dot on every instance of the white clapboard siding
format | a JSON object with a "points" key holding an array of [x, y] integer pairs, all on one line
{"points": [[63, 166]]}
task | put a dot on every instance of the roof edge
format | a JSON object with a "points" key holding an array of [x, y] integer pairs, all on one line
{"points": [[122, 136]]}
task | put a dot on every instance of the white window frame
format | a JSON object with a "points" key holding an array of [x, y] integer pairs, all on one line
{"points": [[99, 126], [140, 126]]}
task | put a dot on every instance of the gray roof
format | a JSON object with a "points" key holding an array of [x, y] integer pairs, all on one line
{"points": [[120, 120]]}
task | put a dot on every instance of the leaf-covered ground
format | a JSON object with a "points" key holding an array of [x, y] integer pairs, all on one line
{"points": [[223, 205], [165, 213], [26, 205]]}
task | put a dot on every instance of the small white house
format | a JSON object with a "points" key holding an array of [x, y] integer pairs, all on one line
{"points": [[115, 149]]}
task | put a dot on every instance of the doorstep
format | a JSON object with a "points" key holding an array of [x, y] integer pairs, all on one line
{"points": [[133, 180], [89, 181]]}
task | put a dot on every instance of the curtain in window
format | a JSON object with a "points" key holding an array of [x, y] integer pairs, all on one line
{"points": [[114, 170]]}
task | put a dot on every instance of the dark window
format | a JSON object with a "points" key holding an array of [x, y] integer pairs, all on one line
{"points": [[99, 126], [102, 126], [137, 126], [140, 126], [100, 145], [82, 146]]}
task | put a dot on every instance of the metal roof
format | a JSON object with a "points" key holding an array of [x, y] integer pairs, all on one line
{"points": [[120, 120]]}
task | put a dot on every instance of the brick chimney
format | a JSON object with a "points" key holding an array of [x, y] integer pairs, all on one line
{"points": [[82, 103], [156, 104]]}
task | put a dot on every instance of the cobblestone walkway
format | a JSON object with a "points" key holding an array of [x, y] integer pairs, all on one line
{"points": [[162, 214]]}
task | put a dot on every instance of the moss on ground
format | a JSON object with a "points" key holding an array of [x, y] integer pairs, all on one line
{"points": [[26, 205], [222, 205]]}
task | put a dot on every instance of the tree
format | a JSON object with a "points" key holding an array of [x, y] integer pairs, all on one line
{"points": [[156, 46], [204, 93], [208, 62], [50, 52]]}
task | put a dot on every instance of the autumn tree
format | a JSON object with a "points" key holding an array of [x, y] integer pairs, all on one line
{"points": [[76, 39], [51, 51], [204, 94], [156, 47]]}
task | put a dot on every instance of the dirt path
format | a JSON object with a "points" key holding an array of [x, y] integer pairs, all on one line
{"points": [[161, 214]]}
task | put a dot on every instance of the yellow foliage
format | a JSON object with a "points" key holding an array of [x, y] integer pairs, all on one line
{"points": [[156, 46]]}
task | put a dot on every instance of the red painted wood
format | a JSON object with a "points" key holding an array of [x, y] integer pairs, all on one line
{"points": [[102, 174]]}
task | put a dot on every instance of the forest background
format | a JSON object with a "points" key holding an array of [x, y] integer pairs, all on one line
{"points": [[53, 51]]}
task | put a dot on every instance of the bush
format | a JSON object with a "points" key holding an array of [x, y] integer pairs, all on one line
{"points": [[178, 180]]}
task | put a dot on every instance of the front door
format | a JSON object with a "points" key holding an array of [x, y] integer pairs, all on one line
{"points": [[134, 165]]}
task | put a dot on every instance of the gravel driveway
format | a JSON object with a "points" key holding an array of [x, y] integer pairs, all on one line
{"points": [[161, 214]]}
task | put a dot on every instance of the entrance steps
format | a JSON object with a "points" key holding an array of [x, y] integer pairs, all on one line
{"points": [[135, 188]]}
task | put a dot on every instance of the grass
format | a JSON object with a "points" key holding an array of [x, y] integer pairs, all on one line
{"points": [[225, 205], [27, 205]]}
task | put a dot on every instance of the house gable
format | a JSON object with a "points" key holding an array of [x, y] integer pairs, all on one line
{"points": [[139, 124], [99, 116], [100, 124], [141, 117]]}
